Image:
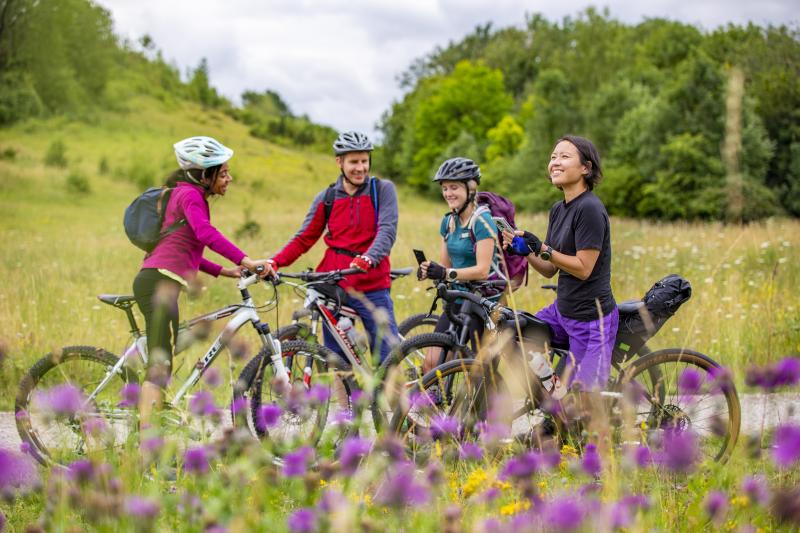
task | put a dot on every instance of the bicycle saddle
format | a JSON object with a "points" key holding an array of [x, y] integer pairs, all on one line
{"points": [[117, 300]]}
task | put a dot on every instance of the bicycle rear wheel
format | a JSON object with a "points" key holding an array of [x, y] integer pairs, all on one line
{"points": [[680, 390], [61, 412], [303, 414]]}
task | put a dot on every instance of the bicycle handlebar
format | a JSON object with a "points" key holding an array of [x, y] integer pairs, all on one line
{"points": [[310, 276]]}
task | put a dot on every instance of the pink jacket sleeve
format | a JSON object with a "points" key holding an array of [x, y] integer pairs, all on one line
{"points": [[196, 213]]}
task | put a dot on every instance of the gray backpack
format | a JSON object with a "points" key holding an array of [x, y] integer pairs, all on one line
{"points": [[145, 216]]}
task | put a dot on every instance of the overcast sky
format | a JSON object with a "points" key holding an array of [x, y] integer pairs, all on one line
{"points": [[338, 60]]}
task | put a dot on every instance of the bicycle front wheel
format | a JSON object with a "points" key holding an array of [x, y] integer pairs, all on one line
{"points": [[417, 325], [70, 404], [680, 390], [403, 367], [316, 406], [449, 402]]}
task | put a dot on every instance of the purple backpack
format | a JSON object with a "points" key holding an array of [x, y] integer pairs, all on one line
{"points": [[500, 206]]}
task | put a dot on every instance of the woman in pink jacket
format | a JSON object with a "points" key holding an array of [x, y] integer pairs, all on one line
{"points": [[175, 261]]}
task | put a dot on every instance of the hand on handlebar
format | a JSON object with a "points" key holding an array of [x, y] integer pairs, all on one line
{"points": [[362, 262], [262, 267]]}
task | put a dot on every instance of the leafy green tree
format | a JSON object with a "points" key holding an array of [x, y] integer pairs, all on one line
{"points": [[504, 139], [471, 99]]}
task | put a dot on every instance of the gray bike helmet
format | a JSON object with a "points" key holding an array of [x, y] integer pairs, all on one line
{"points": [[458, 169], [352, 141]]}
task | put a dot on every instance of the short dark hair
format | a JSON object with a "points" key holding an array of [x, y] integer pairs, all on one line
{"points": [[590, 158]]}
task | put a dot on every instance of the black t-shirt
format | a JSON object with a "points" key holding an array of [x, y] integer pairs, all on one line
{"points": [[582, 224]]}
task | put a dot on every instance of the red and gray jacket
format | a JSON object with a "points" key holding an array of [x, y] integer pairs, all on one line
{"points": [[354, 228]]}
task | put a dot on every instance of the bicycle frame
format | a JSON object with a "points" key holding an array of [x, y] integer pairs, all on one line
{"points": [[240, 315]]}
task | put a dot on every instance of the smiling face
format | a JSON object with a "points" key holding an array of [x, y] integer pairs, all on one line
{"points": [[355, 166], [224, 178], [454, 193], [565, 168]]}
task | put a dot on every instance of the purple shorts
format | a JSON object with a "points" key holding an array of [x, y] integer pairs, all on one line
{"points": [[590, 344]]}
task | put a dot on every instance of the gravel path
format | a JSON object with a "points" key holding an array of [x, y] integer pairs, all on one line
{"points": [[758, 411]]}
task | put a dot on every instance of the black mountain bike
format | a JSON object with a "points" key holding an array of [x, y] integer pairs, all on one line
{"points": [[648, 393]]}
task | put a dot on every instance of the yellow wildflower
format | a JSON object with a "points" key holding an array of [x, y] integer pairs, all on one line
{"points": [[475, 481], [514, 508], [740, 501], [502, 485]]}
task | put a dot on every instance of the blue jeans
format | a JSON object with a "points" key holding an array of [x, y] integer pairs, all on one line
{"points": [[388, 336]]}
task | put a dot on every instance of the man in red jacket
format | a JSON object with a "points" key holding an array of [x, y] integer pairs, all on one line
{"points": [[362, 227]]}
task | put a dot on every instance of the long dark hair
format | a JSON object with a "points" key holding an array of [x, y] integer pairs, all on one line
{"points": [[590, 158], [194, 176]]}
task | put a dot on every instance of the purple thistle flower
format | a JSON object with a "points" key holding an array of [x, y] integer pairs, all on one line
{"points": [[196, 460], [331, 500], [152, 445], [295, 463], [202, 404], [590, 462], [343, 417], [400, 488], [142, 508], [690, 382], [268, 415], [353, 450], [642, 456], [2, 521], [302, 521], [421, 400], [94, 426], [721, 379], [130, 395], [564, 514], [716, 505], [470, 451], [756, 490], [17, 472], [786, 445], [493, 432], [679, 452], [81, 471], [787, 372], [318, 394], [212, 377], [25, 448], [63, 400], [521, 466], [490, 494], [442, 425], [239, 405], [621, 515]]}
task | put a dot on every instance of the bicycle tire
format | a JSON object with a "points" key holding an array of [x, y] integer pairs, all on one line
{"points": [[51, 446], [671, 408], [467, 399], [421, 322], [392, 383], [309, 419]]}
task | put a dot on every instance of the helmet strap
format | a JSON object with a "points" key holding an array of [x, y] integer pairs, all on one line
{"points": [[470, 199]]}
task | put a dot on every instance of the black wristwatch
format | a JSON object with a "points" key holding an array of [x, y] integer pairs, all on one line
{"points": [[452, 275], [546, 253]]}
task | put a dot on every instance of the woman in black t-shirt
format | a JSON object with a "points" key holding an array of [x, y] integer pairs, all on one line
{"points": [[577, 247]]}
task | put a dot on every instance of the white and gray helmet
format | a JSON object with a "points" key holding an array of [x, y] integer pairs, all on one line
{"points": [[201, 153], [352, 141]]}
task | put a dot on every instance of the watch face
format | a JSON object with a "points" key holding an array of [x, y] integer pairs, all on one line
{"points": [[452, 275], [545, 254]]}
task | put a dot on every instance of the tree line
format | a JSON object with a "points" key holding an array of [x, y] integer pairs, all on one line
{"points": [[62, 57], [655, 97]]}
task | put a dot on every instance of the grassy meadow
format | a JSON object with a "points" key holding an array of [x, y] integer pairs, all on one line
{"points": [[63, 243]]}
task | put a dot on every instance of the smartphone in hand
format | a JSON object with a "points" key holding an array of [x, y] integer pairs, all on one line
{"points": [[503, 224], [420, 256]]}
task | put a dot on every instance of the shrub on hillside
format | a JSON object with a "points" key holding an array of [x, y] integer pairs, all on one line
{"points": [[77, 183], [56, 155]]}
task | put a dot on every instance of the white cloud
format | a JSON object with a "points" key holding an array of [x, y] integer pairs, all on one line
{"points": [[338, 60]]}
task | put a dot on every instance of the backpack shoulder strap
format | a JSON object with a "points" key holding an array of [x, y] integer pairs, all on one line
{"points": [[373, 193], [327, 203], [161, 209], [482, 208]]}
